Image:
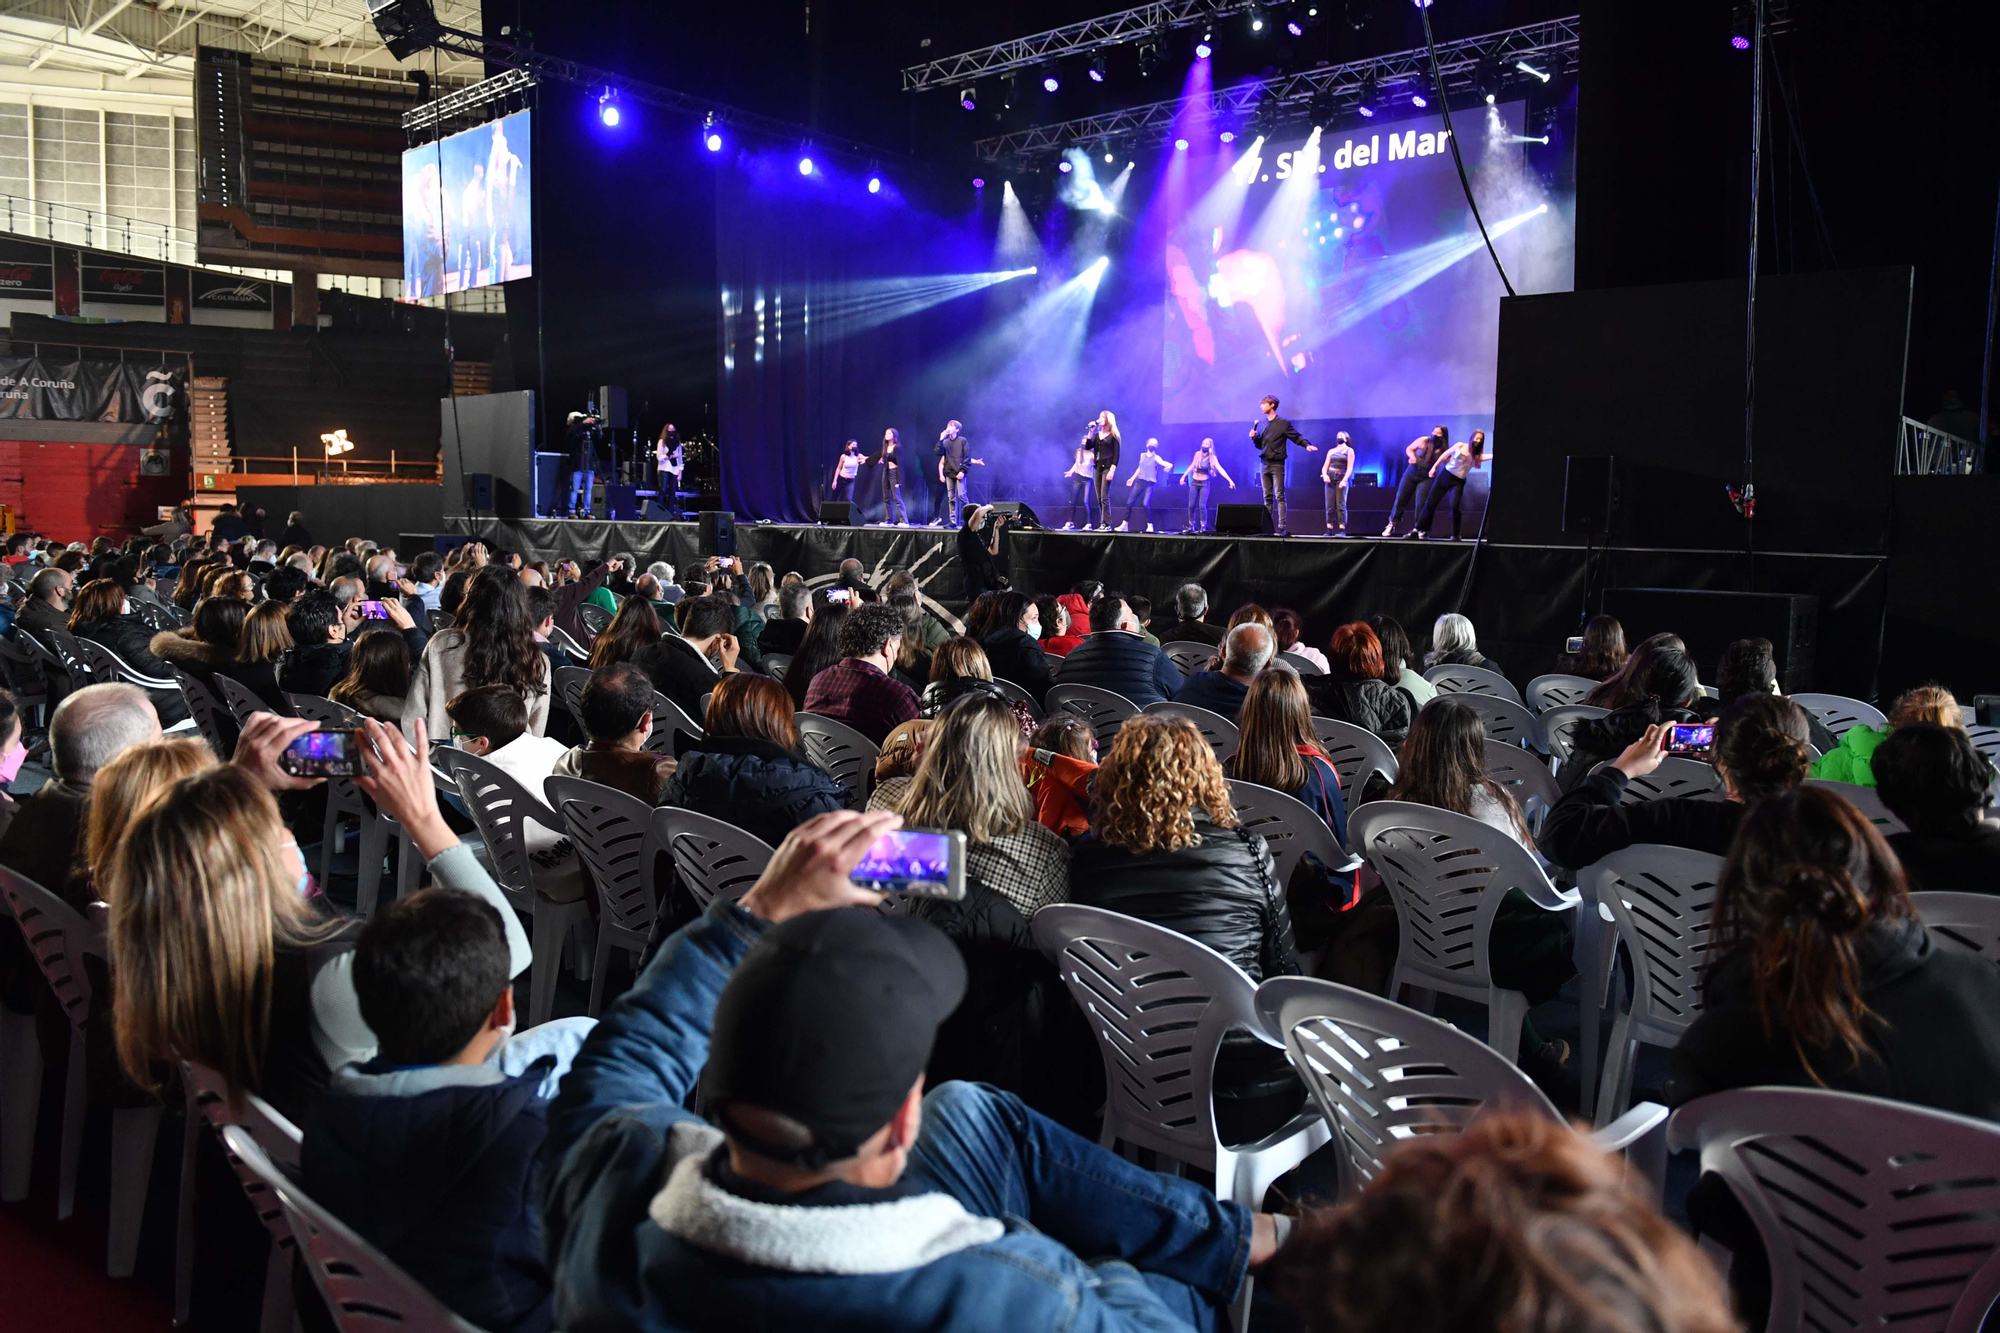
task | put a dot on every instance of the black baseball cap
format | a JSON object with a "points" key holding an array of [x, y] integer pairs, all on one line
{"points": [[828, 1020]]}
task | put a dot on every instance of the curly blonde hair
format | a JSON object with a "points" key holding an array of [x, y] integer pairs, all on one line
{"points": [[1159, 771]]}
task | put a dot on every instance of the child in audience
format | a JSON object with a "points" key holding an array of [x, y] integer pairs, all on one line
{"points": [[429, 1150], [491, 721], [1060, 762]]}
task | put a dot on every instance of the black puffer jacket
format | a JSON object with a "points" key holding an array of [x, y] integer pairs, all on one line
{"points": [[1016, 657], [131, 638], [757, 785], [1375, 705], [1606, 737]]}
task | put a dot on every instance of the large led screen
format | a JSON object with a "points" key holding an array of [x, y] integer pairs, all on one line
{"points": [[466, 216]]}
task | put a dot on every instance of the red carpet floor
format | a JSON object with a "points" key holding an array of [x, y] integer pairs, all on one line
{"points": [[52, 1277]]}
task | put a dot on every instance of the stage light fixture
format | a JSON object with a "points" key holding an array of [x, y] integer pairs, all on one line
{"points": [[1421, 4], [1065, 167], [968, 97], [1205, 48], [874, 185], [1180, 145], [1417, 98], [1257, 22], [1228, 136], [1050, 82], [1739, 41], [978, 182], [1007, 87], [1487, 81], [607, 108], [713, 142], [1367, 99], [1294, 29], [1107, 159], [1526, 68], [711, 137], [1149, 57], [1097, 68], [405, 26], [805, 166]]}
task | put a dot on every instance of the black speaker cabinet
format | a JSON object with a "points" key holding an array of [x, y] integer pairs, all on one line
{"points": [[1710, 621], [1243, 520], [481, 496], [654, 512], [1025, 519], [717, 532], [836, 513], [621, 503], [1590, 494], [611, 407]]}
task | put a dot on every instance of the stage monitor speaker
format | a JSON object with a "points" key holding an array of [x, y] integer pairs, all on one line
{"points": [[480, 497], [611, 407], [621, 503], [836, 513], [1243, 520], [1027, 519], [1709, 621], [717, 532], [655, 512], [1590, 493], [153, 463]]}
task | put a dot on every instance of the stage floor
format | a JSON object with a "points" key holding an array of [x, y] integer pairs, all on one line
{"points": [[1524, 600]]}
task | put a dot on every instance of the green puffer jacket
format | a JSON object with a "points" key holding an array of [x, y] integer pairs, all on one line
{"points": [[1853, 759]]}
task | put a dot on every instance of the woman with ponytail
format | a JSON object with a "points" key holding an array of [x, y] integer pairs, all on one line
{"points": [[1760, 752]]}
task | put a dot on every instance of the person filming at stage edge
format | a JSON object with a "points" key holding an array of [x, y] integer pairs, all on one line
{"points": [[1272, 438], [580, 443]]}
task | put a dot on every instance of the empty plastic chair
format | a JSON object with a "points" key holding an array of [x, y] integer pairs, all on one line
{"points": [[1868, 801], [569, 682], [107, 665], [1447, 874], [1453, 679], [713, 859], [1189, 656], [1873, 1214], [613, 833], [207, 712], [1220, 733], [842, 751], [1558, 691], [1104, 710], [1507, 721], [1357, 755], [1838, 713]]}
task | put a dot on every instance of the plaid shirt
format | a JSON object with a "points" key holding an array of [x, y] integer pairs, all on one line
{"points": [[1030, 869], [857, 693]]}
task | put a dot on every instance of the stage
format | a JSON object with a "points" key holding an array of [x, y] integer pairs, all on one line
{"points": [[1524, 600]]}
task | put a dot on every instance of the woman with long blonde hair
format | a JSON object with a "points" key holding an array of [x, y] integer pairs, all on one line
{"points": [[128, 784], [1165, 846]]}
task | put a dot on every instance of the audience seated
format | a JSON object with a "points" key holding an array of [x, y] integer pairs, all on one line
{"points": [[932, 631], [1850, 759], [1664, 690], [1115, 658], [1455, 643], [959, 668], [1276, 748], [820, 648], [857, 689], [903, 750], [1191, 604], [491, 722], [47, 604], [1246, 651], [104, 615], [89, 729], [320, 651], [913, 665], [265, 639], [795, 608], [1398, 662], [1290, 629], [207, 861], [1760, 752], [1442, 763], [431, 1149], [617, 708], [747, 770], [1621, 686], [1059, 768], [12, 755], [1933, 779], [1748, 667], [207, 646], [491, 642], [1603, 651], [377, 683], [634, 629], [811, 1030], [1354, 688], [1164, 846], [1518, 1223], [686, 666], [123, 788], [1013, 647], [1066, 637]]}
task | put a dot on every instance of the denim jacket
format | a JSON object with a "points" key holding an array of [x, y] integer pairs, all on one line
{"points": [[625, 1187]]}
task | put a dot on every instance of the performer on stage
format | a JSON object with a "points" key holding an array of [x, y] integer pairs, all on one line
{"points": [[668, 467], [891, 459], [580, 442], [1204, 465], [1143, 477], [1102, 437], [1420, 454], [846, 471], [1081, 474], [954, 456], [1449, 474], [1338, 473], [1272, 439]]}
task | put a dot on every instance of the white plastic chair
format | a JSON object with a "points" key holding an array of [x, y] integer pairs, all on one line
{"points": [[714, 859], [1160, 1004], [1506, 720], [1189, 656], [842, 751], [1874, 1214], [1525, 777], [1986, 740], [1558, 691], [1838, 713], [1104, 710], [569, 683], [205, 709], [240, 700], [363, 1290], [208, 1102], [1289, 827], [776, 664], [1453, 679], [564, 643], [613, 834], [1447, 874], [1961, 922], [1868, 801], [107, 665], [82, 671], [1559, 725], [1381, 1074], [61, 940], [1661, 899], [1220, 733], [594, 619], [500, 807], [1356, 753], [1694, 779]]}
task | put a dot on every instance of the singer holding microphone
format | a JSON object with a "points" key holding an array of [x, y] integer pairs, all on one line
{"points": [[1273, 438], [1102, 436]]}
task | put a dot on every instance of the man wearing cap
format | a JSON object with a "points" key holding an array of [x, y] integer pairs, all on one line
{"points": [[824, 1189]]}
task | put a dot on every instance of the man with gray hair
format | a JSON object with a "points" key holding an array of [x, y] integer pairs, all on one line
{"points": [[89, 729], [1246, 651], [1191, 604], [670, 592]]}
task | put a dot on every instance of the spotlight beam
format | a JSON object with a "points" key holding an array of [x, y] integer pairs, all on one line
{"points": [[856, 307]]}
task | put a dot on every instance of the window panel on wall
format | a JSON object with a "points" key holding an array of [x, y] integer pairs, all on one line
{"points": [[139, 179], [14, 157], [67, 169], [185, 163]]}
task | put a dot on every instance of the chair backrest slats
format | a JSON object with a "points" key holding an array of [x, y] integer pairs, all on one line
{"points": [[1840, 714], [1189, 656], [1453, 679], [1694, 779], [1357, 754], [1220, 733], [1662, 899], [1558, 691], [1104, 710], [842, 751], [1287, 825], [1868, 801], [60, 938], [612, 832], [1962, 922], [500, 806], [206, 710], [713, 859], [1507, 720]]}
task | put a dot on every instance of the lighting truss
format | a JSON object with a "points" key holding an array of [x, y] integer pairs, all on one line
{"points": [[1334, 87], [465, 102], [1129, 25]]}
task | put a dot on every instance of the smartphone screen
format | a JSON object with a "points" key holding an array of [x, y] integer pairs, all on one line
{"points": [[919, 861], [1690, 737], [1574, 645], [372, 610], [323, 754]]}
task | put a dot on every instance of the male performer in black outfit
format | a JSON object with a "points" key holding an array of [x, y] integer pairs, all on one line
{"points": [[1272, 439], [954, 456]]}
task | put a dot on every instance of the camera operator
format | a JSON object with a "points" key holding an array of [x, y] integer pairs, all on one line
{"points": [[580, 442], [979, 556]]}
